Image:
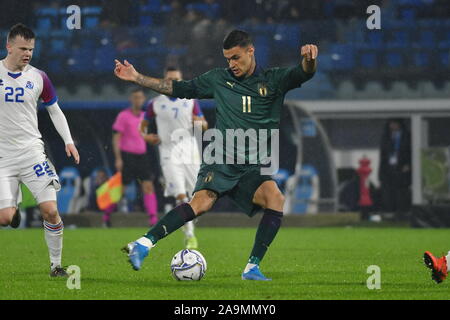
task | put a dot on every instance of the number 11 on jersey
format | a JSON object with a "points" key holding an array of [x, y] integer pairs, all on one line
{"points": [[246, 104]]}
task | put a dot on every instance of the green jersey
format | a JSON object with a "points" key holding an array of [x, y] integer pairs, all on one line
{"points": [[248, 103]]}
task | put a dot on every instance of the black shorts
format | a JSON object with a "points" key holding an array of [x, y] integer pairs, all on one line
{"points": [[136, 167]]}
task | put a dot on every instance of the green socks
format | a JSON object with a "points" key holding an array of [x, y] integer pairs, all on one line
{"points": [[173, 220], [267, 230]]}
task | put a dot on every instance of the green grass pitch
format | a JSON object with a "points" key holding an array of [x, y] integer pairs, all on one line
{"points": [[320, 263]]}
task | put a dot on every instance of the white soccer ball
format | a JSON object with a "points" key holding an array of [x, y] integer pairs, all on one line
{"points": [[188, 265]]}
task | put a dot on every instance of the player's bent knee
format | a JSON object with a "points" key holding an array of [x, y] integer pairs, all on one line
{"points": [[49, 211], [6, 215], [203, 201], [275, 201]]}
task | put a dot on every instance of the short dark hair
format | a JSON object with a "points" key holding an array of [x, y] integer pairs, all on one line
{"points": [[171, 68], [137, 89], [20, 30], [237, 38]]}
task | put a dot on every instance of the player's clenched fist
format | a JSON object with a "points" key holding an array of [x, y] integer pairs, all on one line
{"points": [[309, 52], [125, 71]]}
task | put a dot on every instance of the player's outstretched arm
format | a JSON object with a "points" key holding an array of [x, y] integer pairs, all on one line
{"points": [[127, 72], [309, 53], [61, 125]]}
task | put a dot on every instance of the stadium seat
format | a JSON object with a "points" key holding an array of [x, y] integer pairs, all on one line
{"points": [[55, 65], [346, 90], [91, 10], [375, 39], [131, 194], [408, 14], [400, 39], [394, 59], [372, 90], [421, 59], [58, 46], [444, 58], [209, 10], [152, 6], [145, 20], [342, 56], [104, 58], [91, 22], [263, 50], [281, 177], [287, 35], [70, 180], [80, 60], [427, 39], [47, 11], [44, 23], [368, 60], [307, 191]]}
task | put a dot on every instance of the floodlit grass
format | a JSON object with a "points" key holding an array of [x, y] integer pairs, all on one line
{"points": [[319, 263]]}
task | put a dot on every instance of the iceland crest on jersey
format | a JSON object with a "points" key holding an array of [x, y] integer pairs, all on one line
{"points": [[29, 85]]}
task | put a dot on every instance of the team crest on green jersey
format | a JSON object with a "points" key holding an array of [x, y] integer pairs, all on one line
{"points": [[262, 89], [209, 177]]}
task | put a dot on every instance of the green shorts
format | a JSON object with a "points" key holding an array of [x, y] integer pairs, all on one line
{"points": [[239, 182]]}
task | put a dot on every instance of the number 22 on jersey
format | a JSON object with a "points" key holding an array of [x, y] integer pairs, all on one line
{"points": [[10, 97]]}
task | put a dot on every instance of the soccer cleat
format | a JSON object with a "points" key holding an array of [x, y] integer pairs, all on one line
{"points": [[437, 265], [136, 254], [58, 272], [254, 274], [15, 222], [191, 243]]}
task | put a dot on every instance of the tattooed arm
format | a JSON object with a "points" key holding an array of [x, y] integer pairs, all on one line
{"points": [[127, 72]]}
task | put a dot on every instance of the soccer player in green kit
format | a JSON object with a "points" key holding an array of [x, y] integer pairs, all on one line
{"points": [[247, 97]]}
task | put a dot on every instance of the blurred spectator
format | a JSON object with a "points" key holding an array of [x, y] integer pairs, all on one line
{"points": [[395, 168], [99, 178]]}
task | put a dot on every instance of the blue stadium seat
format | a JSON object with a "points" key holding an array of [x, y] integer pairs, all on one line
{"points": [[55, 65], [262, 52], [368, 60], [326, 61], [209, 10], [281, 177], [375, 39], [422, 59], [131, 193], [153, 64], [47, 11], [57, 46], [444, 58], [305, 189], [394, 59], [70, 180], [152, 6], [288, 35], [342, 56], [408, 14], [145, 20], [427, 39], [104, 58], [400, 39], [92, 10], [91, 22], [44, 23], [80, 60]]}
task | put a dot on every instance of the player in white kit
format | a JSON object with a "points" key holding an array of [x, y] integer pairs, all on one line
{"points": [[180, 158], [22, 155]]}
